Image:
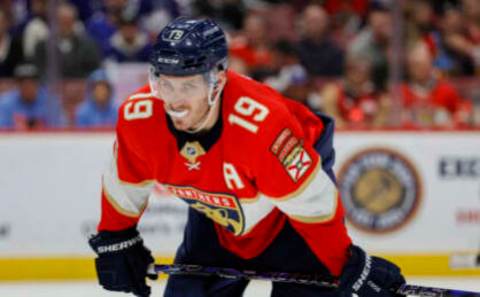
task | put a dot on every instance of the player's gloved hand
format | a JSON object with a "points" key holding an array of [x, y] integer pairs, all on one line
{"points": [[367, 276], [122, 261]]}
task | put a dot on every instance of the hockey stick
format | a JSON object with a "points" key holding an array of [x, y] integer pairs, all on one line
{"points": [[298, 278]]}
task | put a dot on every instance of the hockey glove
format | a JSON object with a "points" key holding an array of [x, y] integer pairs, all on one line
{"points": [[122, 261], [367, 276]]}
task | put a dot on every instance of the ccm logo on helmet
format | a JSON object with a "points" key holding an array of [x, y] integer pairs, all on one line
{"points": [[168, 60]]}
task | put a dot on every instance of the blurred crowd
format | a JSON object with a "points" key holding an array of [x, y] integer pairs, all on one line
{"points": [[368, 63]]}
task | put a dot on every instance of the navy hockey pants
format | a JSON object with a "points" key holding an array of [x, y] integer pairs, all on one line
{"points": [[287, 253]]}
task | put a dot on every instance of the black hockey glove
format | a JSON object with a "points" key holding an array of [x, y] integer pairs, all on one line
{"points": [[367, 276], [122, 261]]}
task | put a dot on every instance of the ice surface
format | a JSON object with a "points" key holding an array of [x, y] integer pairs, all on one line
{"points": [[255, 289]]}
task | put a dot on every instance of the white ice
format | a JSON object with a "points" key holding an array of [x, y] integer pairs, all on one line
{"points": [[255, 289]]}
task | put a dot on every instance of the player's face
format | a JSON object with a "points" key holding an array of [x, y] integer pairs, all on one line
{"points": [[185, 99]]}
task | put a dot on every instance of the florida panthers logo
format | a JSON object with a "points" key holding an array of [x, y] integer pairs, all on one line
{"points": [[223, 209]]}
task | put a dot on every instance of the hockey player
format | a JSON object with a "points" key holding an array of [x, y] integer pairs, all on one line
{"points": [[254, 167]]}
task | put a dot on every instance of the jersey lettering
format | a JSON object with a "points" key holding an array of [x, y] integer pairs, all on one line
{"points": [[138, 110], [232, 178], [248, 108], [224, 209]]}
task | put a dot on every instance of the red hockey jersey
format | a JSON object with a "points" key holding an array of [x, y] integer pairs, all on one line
{"points": [[255, 169]]}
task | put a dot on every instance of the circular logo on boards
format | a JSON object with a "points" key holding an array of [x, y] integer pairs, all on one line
{"points": [[380, 189]]}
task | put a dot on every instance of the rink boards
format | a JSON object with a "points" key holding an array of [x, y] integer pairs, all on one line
{"points": [[411, 196]]}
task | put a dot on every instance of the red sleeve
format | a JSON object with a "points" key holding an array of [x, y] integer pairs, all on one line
{"points": [[292, 176], [126, 183]]}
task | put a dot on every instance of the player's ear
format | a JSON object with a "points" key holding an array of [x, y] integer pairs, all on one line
{"points": [[221, 78]]}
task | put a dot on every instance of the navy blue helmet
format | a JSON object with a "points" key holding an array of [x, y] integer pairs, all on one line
{"points": [[189, 46]]}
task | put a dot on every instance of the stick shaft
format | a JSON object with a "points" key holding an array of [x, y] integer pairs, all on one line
{"points": [[298, 278]]}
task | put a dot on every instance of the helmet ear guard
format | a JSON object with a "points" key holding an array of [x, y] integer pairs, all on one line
{"points": [[212, 88], [153, 82]]}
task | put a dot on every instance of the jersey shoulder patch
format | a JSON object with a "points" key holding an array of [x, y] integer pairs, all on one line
{"points": [[290, 152]]}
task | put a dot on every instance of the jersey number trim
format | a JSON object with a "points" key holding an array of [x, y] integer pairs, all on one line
{"points": [[135, 110], [248, 108]]}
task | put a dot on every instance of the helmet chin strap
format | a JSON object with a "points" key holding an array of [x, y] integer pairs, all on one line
{"points": [[212, 100]]}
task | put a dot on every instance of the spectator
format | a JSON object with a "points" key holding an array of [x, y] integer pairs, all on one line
{"points": [[30, 106], [230, 13], [291, 78], [336, 7], [252, 47], [471, 11], [10, 49], [85, 9], [98, 109], [374, 41], [427, 99], [318, 53], [161, 14], [103, 23], [36, 29], [105, 20], [77, 53], [17, 13], [420, 23], [454, 53], [346, 17], [129, 43], [355, 102]]}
